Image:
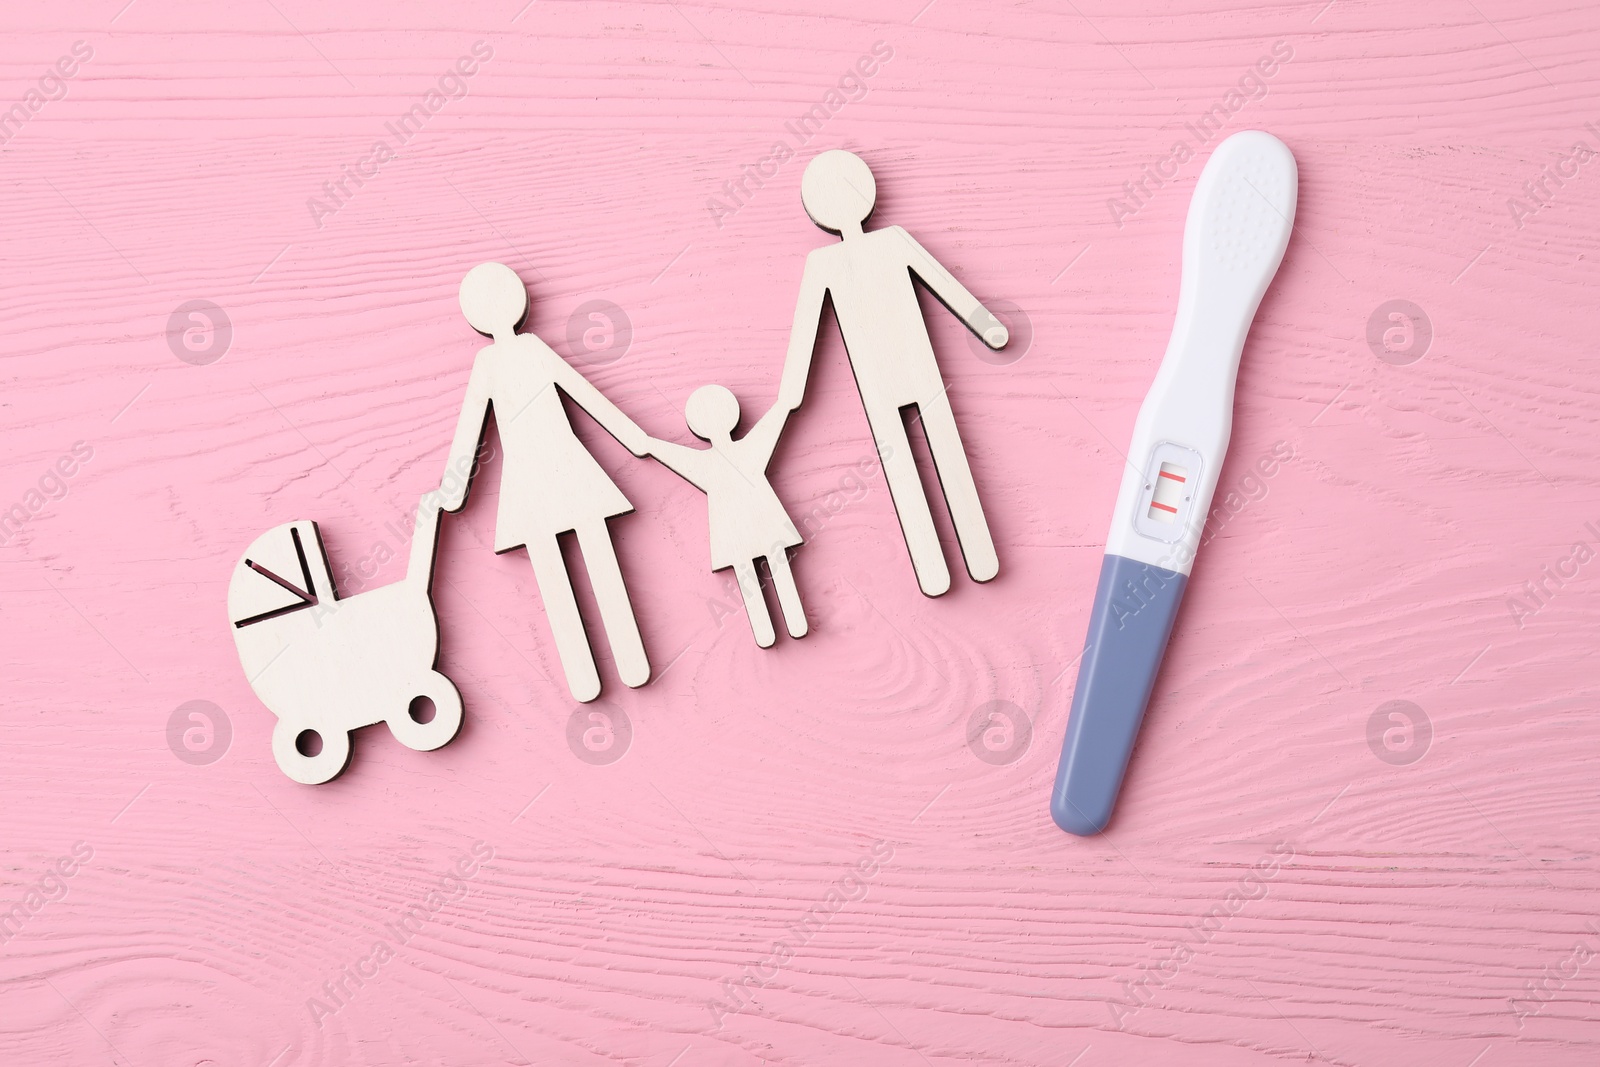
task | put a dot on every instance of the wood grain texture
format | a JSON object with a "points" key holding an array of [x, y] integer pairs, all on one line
{"points": [[1414, 906]]}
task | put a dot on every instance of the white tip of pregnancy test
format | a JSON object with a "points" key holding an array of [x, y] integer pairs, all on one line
{"points": [[1241, 215]]}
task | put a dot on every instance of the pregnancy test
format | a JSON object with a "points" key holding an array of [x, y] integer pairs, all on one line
{"points": [[1233, 241]]}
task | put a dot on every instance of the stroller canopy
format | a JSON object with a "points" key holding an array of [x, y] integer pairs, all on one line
{"points": [[283, 571]]}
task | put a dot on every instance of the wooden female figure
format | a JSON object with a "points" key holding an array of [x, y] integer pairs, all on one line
{"points": [[746, 521], [550, 484]]}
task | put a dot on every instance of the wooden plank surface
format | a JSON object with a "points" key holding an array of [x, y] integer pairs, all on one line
{"points": [[820, 796]]}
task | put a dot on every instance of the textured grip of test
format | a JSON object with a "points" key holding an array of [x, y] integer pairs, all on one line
{"points": [[1135, 606]]}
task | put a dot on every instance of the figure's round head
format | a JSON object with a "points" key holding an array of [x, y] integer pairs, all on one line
{"points": [[837, 190], [494, 299], [712, 412]]}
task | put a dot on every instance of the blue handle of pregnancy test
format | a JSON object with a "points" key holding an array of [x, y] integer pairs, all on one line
{"points": [[1135, 605]]}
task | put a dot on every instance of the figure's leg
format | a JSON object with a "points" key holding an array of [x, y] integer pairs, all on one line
{"points": [[794, 615], [960, 492], [616, 610], [910, 503], [561, 609], [755, 605]]}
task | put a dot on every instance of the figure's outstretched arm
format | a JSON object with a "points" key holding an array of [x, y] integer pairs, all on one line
{"points": [[952, 294], [802, 337], [593, 401], [681, 460], [469, 431], [763, 436]]}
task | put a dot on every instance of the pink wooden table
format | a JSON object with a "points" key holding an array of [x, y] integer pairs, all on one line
{"points": [[1300, 870]]}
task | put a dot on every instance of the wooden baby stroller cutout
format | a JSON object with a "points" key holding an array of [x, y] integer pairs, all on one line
{"points": [[326, 666], [746, 520], [868, 274], [549, 483]]}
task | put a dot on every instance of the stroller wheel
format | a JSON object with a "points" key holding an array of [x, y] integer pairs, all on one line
{"points": [[424, 736], [291, 741]]}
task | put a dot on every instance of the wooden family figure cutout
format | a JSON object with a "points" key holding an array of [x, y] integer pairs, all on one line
{"points": [[868, 276], [746, 520], [549, 483], [327, 666]]}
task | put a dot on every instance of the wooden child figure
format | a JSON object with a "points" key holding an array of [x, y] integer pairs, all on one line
{"points": [[746, 520]]}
